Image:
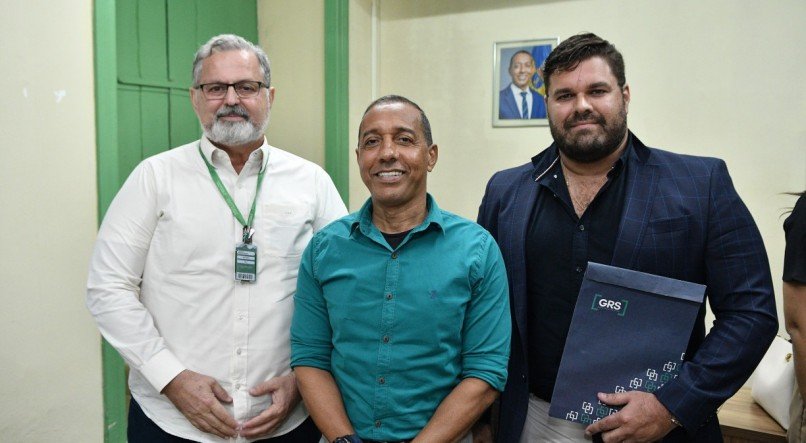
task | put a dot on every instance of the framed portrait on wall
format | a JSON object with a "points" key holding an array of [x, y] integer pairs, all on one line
{"points": [[518, 91]]}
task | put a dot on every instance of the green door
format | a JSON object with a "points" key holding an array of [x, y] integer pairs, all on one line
{"points": [[143, 55], [156, 42]]}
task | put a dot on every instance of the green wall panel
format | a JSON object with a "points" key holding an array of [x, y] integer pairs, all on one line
{"points": [[184, 125], [130, 140], [155, 121], [233, 16], [152, 40], [182, 39], [128, 55]]}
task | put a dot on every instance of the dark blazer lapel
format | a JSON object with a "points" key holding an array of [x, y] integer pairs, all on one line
{"points": [[517, 216], [642, 184], [524, 202]]}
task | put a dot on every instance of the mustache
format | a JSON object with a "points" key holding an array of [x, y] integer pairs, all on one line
{"points": [[232, 110], [587, 116]]}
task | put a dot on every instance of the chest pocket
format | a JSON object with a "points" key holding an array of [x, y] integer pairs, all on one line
{"points": [[287, 228], [668, 225], [666, 246]]}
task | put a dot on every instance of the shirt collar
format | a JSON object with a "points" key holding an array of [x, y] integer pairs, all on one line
{"points": [[363, 220], [544, 176], [516, 90], [217, 157]]}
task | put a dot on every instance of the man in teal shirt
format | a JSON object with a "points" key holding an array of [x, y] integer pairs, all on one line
{"points": [[401, 328]]}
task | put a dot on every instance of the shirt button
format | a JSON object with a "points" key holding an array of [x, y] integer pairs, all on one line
{"points": [[386, 339], [381, 380], [237, 386], [578, 269], [239, 351], [394, 255], [389, 296], [377, 423], [581, 227]]}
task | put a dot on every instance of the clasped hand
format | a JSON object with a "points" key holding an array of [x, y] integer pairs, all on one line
{"points": [[199, 398]]}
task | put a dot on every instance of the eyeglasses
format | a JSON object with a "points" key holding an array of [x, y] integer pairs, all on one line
{"points": [[244, 89]]}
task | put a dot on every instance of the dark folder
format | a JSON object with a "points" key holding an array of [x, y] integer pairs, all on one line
{"points": [[629, 331]]}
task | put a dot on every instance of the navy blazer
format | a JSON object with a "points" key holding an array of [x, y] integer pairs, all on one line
{"points": [[509, 109], [683, 219]]}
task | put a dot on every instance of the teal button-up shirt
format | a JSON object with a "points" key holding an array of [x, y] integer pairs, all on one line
{"points": [[400, 328]]}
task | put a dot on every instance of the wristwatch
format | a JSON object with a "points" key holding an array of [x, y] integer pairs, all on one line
{"points": [[352, 438]]}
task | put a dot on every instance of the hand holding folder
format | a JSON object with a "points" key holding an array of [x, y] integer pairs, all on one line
{"points": [[629, 332]]}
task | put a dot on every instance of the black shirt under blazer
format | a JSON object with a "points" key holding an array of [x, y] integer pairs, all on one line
{"points": [[682, 218]]}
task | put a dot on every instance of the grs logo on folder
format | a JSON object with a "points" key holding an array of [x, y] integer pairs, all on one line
{"points": [[662, 314], [601, 303]]}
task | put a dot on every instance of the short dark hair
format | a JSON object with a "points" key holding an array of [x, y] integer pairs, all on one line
{"points": [[389, 99], [512, 59], [568, 54]]}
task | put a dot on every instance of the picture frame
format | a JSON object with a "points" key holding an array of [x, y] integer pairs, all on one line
{"points": [[512, 62]]}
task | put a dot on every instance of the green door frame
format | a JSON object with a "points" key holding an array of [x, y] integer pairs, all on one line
{"points": [[337, 87], [106, 129]]}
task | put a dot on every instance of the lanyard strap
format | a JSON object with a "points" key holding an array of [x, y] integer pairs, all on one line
{"points": [[247, 224]]}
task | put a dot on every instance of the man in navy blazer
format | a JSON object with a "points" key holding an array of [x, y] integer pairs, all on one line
{"points": [[599, 194], [511, 99]]}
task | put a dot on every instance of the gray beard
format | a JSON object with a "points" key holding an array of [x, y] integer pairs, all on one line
{"points": [[235, 133]]}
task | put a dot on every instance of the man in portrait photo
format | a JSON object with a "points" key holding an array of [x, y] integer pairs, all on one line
{"points": [[520, 99]]}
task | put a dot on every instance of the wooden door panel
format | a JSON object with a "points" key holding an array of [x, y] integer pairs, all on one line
{"points": [[129, 130], [183, 40], [154, 120], [152, 40], [184, 125]]}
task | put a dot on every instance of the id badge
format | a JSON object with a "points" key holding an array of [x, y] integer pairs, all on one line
{"points": [[246, 262]]}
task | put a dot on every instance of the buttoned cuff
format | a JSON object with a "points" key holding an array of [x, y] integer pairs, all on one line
{"points": [[161, 369]]}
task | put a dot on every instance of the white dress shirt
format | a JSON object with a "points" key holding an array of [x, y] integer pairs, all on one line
{"points": [[516, 92], [161, 281]]}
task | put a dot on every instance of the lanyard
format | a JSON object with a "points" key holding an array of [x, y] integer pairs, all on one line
{"points": [[247, 224]]}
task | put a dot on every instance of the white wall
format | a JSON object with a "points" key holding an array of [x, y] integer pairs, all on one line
{"points": [[364, 48], [718, 78], [50, 389], [292, 34]]}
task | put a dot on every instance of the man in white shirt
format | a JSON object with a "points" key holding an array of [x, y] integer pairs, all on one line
{"points": [[196, 262]]}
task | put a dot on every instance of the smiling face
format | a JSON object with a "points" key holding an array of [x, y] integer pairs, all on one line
{"points": [[232, 121], [521, 69], [587, 111], [393, 155]]}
